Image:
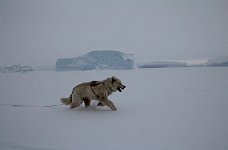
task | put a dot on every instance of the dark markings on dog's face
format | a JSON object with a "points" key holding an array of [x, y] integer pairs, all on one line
{"points": [[118, 84]]}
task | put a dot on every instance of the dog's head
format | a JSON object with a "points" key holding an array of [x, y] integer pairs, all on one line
{"points": [[116, 84]]}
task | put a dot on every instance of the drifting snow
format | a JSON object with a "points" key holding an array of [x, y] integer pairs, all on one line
{"points": [[172, 109]]}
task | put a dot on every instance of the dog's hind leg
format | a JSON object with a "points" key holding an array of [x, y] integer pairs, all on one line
{"points": [[86, 101], [76, 101]]}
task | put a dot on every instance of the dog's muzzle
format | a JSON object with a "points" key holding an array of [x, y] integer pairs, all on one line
{"points": [[121, 88]]}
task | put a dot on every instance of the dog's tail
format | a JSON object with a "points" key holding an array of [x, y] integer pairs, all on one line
{"points": [[66, 101]]}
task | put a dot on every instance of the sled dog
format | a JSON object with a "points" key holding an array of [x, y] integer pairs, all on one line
{"points": [[94, 90]]}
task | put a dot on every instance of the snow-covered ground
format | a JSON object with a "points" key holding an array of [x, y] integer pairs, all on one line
{"points": [[160, 109]]}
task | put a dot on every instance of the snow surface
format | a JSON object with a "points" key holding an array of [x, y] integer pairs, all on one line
{"points": [[160, 109]]}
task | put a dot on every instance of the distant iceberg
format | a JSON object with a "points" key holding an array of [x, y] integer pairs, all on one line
{"points": [[218, 62], [16, 68], [162, 64], [99, 59]]}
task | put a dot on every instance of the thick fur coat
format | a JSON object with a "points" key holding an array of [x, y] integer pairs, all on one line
{"points": [[94, 90]]}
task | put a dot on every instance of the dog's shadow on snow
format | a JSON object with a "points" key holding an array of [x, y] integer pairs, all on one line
{"points": [[93, 108]]}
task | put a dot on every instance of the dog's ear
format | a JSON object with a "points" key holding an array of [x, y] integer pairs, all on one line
{"points": [[113, 79]]}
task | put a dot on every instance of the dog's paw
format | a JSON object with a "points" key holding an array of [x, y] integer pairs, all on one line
{"points": [[114, 108]]}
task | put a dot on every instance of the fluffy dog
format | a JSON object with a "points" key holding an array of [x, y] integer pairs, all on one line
{"points": [[94, 90]]}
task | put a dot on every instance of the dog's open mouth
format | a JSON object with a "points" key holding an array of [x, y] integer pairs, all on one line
{"points": [[121, 88]]}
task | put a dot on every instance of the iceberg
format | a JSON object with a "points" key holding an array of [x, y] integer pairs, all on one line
{"points": [[16, 68], [99, 59], [162, 64], [218, 62]]}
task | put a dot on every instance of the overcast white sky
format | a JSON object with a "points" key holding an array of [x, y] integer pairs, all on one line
{"points": [[37, 32]]}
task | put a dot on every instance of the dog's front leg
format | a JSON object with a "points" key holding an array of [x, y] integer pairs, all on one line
{"points": [[108, 102]]}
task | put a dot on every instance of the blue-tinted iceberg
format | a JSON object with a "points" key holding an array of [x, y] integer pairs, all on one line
{"points": [[103, 59], [162, 64], [16, 68], [218, 62]]}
